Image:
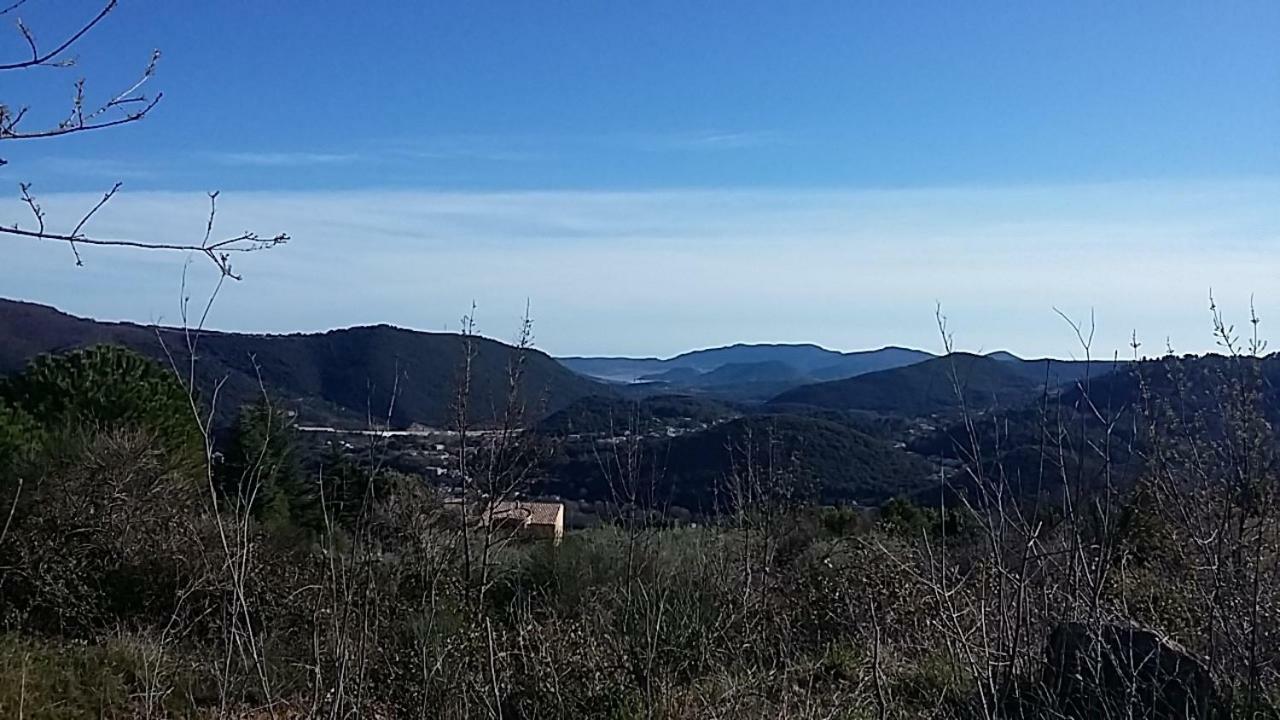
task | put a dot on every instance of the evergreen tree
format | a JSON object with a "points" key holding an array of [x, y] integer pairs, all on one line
{"points": [[348, 487], [102, 387], [261, 468], [20, 439]]}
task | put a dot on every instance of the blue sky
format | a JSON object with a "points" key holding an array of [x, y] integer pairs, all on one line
{"points": [[664, 175]]}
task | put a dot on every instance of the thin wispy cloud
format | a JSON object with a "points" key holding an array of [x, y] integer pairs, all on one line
{"points": [[283, 159], [364, 160], [484, 147], [731, 140], [663, 271], [531, 147], [97, 168]]}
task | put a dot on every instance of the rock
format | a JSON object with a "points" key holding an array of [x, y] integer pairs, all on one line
{"points": [[1118, 670]]}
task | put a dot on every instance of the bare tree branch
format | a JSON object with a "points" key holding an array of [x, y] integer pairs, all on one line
{"points": [[12, 7], [218, 251], [38, 58], [122, 108], [80, 121]]}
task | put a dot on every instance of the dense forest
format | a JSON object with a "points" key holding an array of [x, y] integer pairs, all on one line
{"points": [[344, 377]]}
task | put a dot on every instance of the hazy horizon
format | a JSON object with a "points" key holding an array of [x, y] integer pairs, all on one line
{"points": [[658, 178], [1079, 354]]}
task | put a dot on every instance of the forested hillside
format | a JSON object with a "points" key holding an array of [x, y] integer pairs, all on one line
{"points": [[118, 516], [351, 376], [805, 459], [938, 386]]}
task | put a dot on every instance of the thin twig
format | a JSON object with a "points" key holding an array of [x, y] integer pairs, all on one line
{"points": [[40, 59]]}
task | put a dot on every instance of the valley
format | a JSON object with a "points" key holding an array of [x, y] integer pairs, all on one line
{"points": [[838, 428]]}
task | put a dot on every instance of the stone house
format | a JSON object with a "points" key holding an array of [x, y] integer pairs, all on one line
{"points": [[525, 518]]}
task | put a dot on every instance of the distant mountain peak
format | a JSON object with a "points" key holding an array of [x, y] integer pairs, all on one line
{"points": [[728, 371]]}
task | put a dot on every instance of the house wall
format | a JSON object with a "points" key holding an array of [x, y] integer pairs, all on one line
{"points": [[547, 531]]}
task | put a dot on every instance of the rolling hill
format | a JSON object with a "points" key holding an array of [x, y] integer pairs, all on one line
{"points": [[736, 372], [1053, 372], [743, 372], [814, 459], [810, 361], [736, 382], [923, 389], [615, 416], [341, 376], [1099, 432]]}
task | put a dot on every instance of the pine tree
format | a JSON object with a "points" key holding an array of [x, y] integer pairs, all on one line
{"points": [[261, 469]]}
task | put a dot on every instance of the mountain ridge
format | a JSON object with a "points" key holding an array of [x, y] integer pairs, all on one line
{"points": [[348, 376], [794, 364], [940, 385]]}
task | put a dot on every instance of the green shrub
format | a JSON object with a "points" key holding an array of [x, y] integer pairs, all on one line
{"points": [[122, 677], [106, 387], [261, 468], [20, 440]]}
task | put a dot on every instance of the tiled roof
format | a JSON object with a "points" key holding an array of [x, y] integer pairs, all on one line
{"points": [[534, 513], [538, 513]]}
